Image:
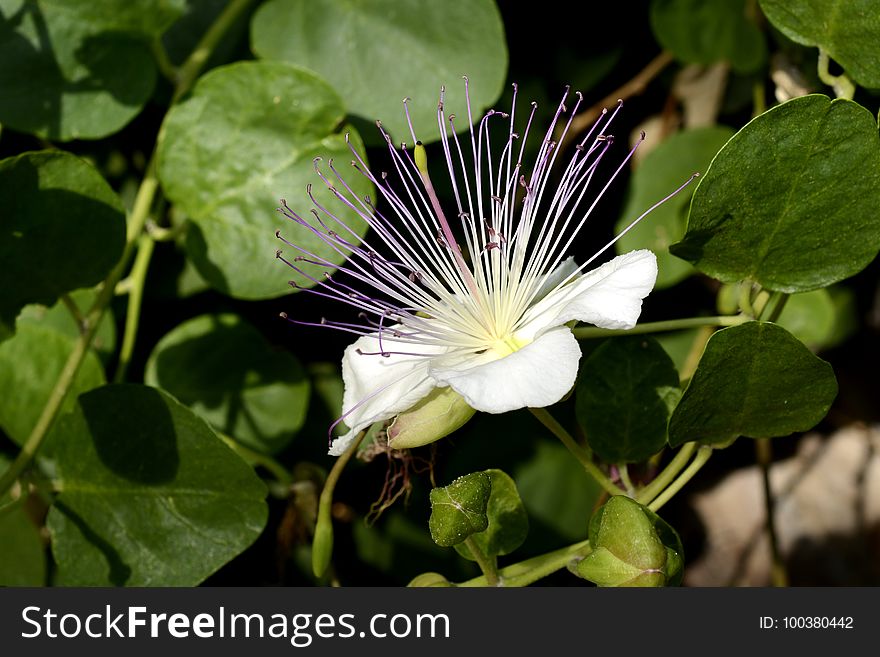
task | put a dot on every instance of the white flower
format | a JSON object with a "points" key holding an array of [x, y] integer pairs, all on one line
{"points": [[481, 303]]}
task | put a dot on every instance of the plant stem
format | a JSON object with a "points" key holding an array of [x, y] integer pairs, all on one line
{"points": [[699, 461], [139, 214], [777, 309], [670, 472], [487, 565], [842, 85], [253, 457], [75, 312], [531, 570], [745, 299], [137, 277], [764, 453], [576, 450], [657, 327], [626, 480], [163, 62]]}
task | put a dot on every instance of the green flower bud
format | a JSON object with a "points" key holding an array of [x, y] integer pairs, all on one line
{"points": [[632, 546], [434, 417], [429, 580]]}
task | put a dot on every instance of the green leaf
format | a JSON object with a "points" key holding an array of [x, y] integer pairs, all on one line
{"points": [[508, 520], [225, 370], [810, 317], [459, 509], [149, 495], [30, 364], [848, 30], [77, 70], [377, 52], [663, 170], [24, 560], [754, 380], [700, 32], [246, 137], [632, 546], [59, 318], [791, 201], [558, 497], [62, 228], [626, 391]]}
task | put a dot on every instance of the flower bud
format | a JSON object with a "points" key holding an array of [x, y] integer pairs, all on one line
{"points": [[440, 413]]}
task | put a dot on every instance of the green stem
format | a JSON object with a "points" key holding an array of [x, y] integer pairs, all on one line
{"points": [[189, 71], [531, 570], [576, 450], [322, 545], [626, 480], [163, 62], [161, 234], [842, 85], [764, 453], [75, 312], [669, 473], [487, 565], [137, 277], [18, 499], [657, 327], [778, 308], [745, 299], [699, 461], [139, 214], [254, 457]]}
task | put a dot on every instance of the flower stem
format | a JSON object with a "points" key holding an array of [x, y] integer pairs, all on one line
{"points": [[576, 450], [657, 327], [842, 85], [75, 312], [669, 473], [531, 570], [253, 457], [764, 453], [699, 461], [486, 564], [137, 278]]}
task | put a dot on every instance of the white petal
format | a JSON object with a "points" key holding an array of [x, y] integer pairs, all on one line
{"points": [[379, 387], [609, 296], [537, 375]]}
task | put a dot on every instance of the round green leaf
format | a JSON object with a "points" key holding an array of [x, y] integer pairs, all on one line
{"points": [[246, 137], [77, 70], [377, 52], [791, 201], [459, 509], [30, 364], [508, 520], [626, 391], [849, 30], [24, 559], [225, 370], [149, 495], [62, 228], [700, 32], [810, 317], [664, 169], [754, 380], [59, 318]]}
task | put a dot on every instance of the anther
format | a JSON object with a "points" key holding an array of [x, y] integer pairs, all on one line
{"points": [[278, 253]]}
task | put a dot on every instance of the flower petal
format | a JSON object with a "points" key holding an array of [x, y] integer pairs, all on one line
{"points": [[379, 387], [537, 375], [609, 296]]}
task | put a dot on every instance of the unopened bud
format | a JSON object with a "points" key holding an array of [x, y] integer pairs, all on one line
{"points": [[434, 417]]}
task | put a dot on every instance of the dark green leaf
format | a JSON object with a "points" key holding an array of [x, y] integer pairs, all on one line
{"points": [[508, 520], [631, 546], [149, 495], [23, 561], [791, 201], [459, 509], [626, 391], [557, 495], [848, 30], [754, 380], [376, 52], [663, 170], [700, 32], [62, 228], [77, 70], [226, 371], [30, 364], [246, 137], [59, 318], [810, 317]]}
